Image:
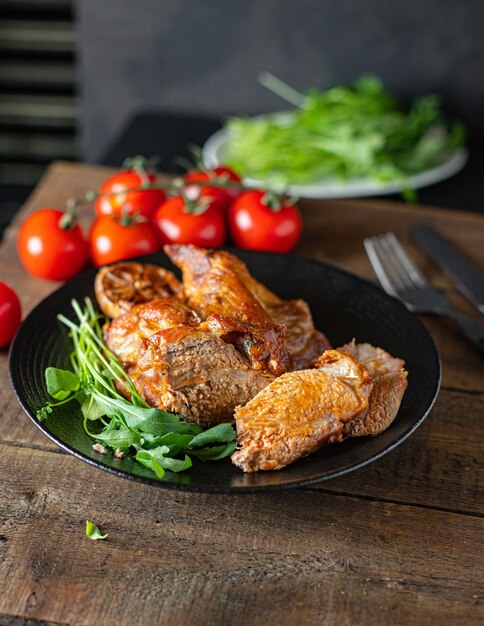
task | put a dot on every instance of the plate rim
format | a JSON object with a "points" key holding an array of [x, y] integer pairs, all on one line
{"points": [[13, 358], [355, 188]]}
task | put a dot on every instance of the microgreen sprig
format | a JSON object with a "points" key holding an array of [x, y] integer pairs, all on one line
{"points": [[153, 437]]}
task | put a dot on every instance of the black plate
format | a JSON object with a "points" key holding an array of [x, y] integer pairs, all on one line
{"points": [[343, 305]]}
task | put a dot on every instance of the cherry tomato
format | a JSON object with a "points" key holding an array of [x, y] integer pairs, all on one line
{"points": [[113, 239], [51, 245], [220, 196], [261, 221], [143, 202], [10, 314], [182, 221]]}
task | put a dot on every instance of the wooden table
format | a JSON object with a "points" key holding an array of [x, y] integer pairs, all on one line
{"points": [[397, 542]]}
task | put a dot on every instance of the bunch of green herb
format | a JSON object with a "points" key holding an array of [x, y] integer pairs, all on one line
{"points": [[156, 439], [344, 132]]}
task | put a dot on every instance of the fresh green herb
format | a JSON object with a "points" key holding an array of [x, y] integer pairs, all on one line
{"points": [[61, 383], [153, 437], [343, 133], [93, 532]]}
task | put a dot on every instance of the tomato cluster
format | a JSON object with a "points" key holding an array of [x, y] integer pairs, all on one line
{"points": [[135, 214]]}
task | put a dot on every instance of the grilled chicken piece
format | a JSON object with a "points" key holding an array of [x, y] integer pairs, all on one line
{"points": [[122, 335], [213, 285], [195, 374], [300, 411], [120, 286], [389, 380], [304, 342]]}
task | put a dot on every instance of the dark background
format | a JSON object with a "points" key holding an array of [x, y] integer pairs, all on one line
{"points": [[99, 80], [204, 57]]}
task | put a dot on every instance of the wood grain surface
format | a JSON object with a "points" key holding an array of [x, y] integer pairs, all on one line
{"points": [[397, 542]]}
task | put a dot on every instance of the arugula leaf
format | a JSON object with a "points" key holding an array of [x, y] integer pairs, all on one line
{"points": [[160, 455], [174, 441], [92, 409], [116, 438], [221, 433], [147, 419], [145, 458], [93, 532], [214, 453], [61, 383]]}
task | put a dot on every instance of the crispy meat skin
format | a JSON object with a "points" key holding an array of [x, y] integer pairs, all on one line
{"points": [[300, 411], [120, 286], [304, 342], [195, 374], [215, 290], [389, 380], [122, 335]]}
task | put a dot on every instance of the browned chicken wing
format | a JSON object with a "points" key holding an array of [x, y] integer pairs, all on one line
{"points": [[120, 286], [389, 380], [122, 335], [300, 411], [216, 292], [195, 374]]}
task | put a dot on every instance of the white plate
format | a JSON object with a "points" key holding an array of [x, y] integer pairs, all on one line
{"points": [[214, 150]]}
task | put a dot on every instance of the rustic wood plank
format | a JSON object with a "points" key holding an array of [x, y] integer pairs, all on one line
{"points": [[440, 465], [296, 557]]}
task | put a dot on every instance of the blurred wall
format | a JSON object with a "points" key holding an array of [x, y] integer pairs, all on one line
{"points": [[204, 57]]}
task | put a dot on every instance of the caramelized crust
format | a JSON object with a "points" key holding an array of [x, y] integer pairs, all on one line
{"points": [[120, 286], [195, 374], [304, 342], [389, 380], [213, 285], [122, 335], [299, 412]]}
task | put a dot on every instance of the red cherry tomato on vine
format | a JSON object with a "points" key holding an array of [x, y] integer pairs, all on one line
{"points": [[261, 221], [112, 239], [181, 221], [51, 245], [220, 196], [10, 314], [143, 202]]}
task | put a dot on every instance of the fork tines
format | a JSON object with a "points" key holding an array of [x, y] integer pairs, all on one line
{"points": [[394, 268]]}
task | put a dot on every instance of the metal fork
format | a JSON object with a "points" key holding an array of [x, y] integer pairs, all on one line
{"points": [[400, 277]]}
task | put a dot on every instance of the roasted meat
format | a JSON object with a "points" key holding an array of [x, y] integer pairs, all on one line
{"points": [[389, 380], [122, 335], [304, 343], [300, 411], [120, 286], [216, 292], [195, 374]]}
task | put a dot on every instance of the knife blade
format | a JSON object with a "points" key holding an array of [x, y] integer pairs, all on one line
{"points": [[468, 279]]}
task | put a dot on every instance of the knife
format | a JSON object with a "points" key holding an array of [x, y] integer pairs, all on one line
{"points": [[469, 280]]}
